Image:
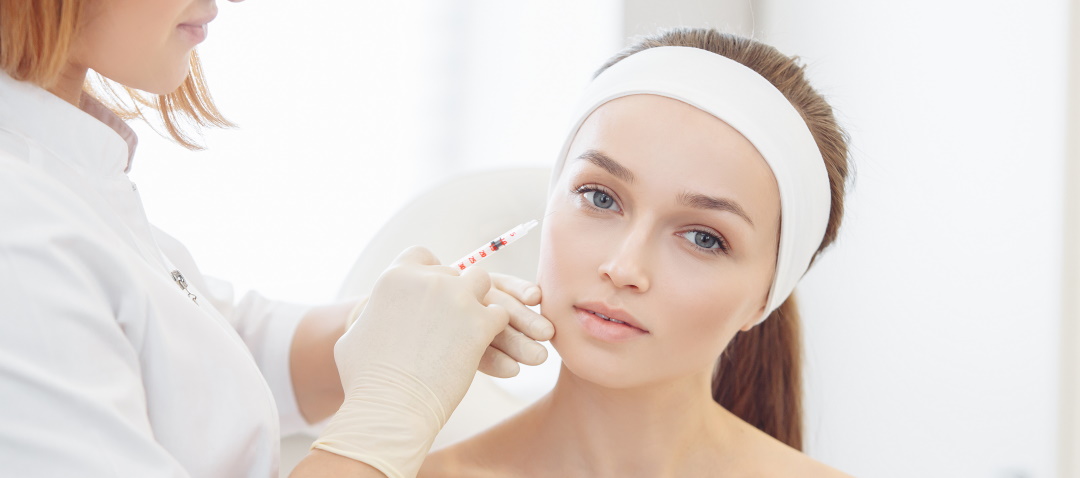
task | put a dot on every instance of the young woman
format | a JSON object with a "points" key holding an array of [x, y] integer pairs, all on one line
{"points": [[118, 358], [703, 176]]}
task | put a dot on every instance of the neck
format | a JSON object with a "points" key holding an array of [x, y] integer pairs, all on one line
{"points": [[69, 86], [666, 429]]}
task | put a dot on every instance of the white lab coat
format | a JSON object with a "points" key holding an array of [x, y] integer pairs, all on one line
{"points": [[107, 367]]}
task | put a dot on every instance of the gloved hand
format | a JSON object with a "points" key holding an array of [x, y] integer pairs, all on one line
{"points": [[408, 360], [517, 342]]}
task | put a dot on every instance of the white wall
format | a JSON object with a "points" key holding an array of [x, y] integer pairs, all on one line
{"points": [[346, 110], [932, 325], [1069, 408], [643, 17]]}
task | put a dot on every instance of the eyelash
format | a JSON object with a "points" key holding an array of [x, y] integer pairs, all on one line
{"points": [[722, 244], [587, 188]]}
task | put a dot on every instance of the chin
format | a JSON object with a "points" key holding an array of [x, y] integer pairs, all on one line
{"points": [[154, 86], [169, 85], [164, 84], [624, 366], [613, 368]]}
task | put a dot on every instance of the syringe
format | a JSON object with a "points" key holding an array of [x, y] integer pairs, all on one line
{"points": [[494, 246]]}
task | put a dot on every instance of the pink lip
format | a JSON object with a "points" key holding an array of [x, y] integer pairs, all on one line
{"points": [[607, 330], [196, 29], [195, 33]]}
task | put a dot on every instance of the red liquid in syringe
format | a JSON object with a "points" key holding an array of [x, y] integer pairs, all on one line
{"points": [[496, 245]]}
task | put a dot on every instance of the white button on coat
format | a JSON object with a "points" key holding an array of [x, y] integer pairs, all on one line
{"points": [[107, 367]]}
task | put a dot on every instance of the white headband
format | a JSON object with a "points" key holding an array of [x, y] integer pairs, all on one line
{"points": [[747, 102]]}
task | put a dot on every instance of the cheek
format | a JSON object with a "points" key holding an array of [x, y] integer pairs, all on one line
{"points": [[716, 324], [705, 304], [560, 261], [572, 248], [135, 44], [704, 311]]}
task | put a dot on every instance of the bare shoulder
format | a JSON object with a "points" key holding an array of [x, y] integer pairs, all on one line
{"points": [[782, 461], [802, 465], [493, 453], [446, 463], [766, 456]]}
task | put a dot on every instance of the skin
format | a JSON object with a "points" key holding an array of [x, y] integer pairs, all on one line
{"points": [[643, 406], [143, 44], [146, 45]]}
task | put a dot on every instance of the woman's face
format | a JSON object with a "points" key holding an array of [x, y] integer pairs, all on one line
{"points": [[664, 218], [143, 44]]}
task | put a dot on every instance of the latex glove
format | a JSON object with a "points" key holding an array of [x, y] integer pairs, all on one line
{"points": [[517, 343], [408, 360]]}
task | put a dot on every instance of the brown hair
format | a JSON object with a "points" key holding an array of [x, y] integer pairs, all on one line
{"points": [[759, 376], [36, 38]]}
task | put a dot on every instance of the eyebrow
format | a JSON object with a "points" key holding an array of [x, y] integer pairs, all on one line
{"points": [[701, 201], [606, 163], [686, 198]]}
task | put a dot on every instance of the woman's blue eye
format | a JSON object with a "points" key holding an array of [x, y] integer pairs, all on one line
{"points": [[601, 200], [705, 240]]}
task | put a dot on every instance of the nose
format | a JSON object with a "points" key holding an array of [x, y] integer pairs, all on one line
{"points": [[627, 266]]}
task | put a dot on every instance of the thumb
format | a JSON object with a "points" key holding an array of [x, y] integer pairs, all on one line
{"points": [[416, 255], [478, 281]]}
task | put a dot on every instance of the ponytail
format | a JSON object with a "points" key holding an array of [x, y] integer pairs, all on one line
{"points": [[759, 376]]}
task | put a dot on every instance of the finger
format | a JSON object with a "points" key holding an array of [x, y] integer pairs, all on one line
{"points": [[519, 347], [522, 318], [526, 292], [355, 313], [478, 281], [497, 364], [488, 321], [421, 256], [416, 255], [499, 318]]}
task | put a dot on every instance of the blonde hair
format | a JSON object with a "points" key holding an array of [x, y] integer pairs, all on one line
{"points": [[36, 39]]}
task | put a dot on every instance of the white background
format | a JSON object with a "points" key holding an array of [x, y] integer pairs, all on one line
{"points": [[931, 326]]}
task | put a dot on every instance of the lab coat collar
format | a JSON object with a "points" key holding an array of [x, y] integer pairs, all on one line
{"points": [[92, 138]]}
